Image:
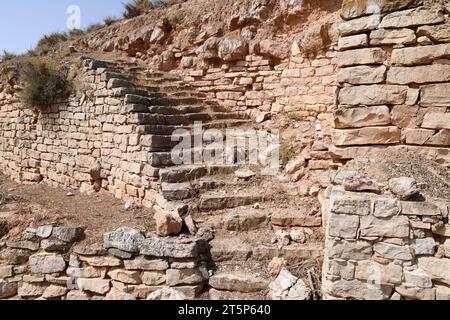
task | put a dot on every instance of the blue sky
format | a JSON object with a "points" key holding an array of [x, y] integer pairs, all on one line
{"points": [[24, 22]]}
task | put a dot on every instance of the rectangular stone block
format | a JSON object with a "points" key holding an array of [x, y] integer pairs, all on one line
{"points": [[392, 37], [393, 251], [361, 75], [343, 226], [353, 42], [419, 74], [438, 33], [381, 274], [341, 268], [359, 25], [369, 135], [348, 250], [394, 227], [411, 208], [436, 95], [427, 137], [355, 289], [420, 55], [353, 9], [361, 56], [437, 269], [362, 117], [351, 205], [373, 95], [436, 120], [412, 17]]}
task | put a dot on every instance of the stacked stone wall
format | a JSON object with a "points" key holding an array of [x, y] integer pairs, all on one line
{"points": [[393, 70]]}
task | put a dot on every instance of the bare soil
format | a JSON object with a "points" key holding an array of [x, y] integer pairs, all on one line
{"points": [[24, 206]]}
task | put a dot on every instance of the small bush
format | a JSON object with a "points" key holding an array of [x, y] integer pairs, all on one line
{"points": [[286, 153], [136, 8], [43, 84], [110, 20], [76, 33], [5, 56], [47, 43], [94, 27]]}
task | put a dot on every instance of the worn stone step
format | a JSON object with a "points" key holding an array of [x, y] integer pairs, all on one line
{"points": [[227, 201], [238, 281], [245, 220], [121, 92], [181, 110], [139, 99], [177, 191], [185, 173], [234, 250], [182, 120], [169, 129], [190, 156]]}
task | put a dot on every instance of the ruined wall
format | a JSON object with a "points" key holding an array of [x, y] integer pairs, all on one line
{"points": [[394, 75], [50, 263], [91, 142], [381, 247]]}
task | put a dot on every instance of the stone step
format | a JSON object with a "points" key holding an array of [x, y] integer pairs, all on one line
{"points": [[235, 251], [177, 191], [188, 190], [238, 281], [186, 173], [193, 155], [181, 110], [139, 99], [227, 201], [169, 129], [121, 92], [185, 119], [245, 220]]}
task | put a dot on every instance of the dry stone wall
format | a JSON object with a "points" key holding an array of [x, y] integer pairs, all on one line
{"points": [[380, 247], [50, 263], [91, 142], [394, 77]]}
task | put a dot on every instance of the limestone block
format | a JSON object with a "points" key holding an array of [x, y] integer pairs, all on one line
{"points": [[412, 17], [379, 273], [419, 74], [362, 117], [361, 56], [373, 95], [368, 135], [361, 75], [343, 226], [420, 55], [392, 37]]}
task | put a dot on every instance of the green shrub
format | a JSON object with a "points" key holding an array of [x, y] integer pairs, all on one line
{"points": [[136, 8], [110, 20], [49, 42], [94, 27], [43, 84], [5, 56]]}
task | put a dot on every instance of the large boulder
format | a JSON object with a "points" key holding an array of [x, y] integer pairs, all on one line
{"points": [[232, 48], [167, 223], [288, 287], [125, 239]]}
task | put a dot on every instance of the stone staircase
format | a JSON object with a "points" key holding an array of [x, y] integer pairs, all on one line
{"points": [[245, 212]]}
